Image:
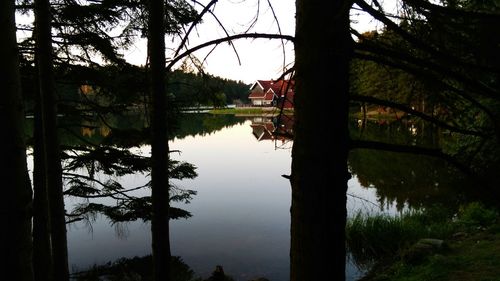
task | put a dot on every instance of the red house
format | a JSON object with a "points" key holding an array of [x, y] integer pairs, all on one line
{"points": [[277, 93]]}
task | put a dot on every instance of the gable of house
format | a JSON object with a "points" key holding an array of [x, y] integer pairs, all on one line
{"points": [[267, 91]]}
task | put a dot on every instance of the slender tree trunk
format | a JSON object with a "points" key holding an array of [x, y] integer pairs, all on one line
{"points": [[52, 158], [159, 144], [16, 208], [319, 162], [42, 257]]}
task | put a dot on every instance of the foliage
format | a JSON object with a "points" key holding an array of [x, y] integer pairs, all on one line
{"points": [[475, 256], [436, 59], [193, 89], [374, 238], [476, 214], [127, 207], [137, 268]]}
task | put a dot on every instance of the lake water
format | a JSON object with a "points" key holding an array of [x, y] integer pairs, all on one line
{"points": [[241, 213]]}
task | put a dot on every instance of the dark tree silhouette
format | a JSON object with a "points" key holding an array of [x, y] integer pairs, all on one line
{"points": [[319, 163], [50, 140], [16, 210], [159, 143]]}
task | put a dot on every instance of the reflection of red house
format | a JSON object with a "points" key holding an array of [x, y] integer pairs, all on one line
{"points": [[278, 93], [263, 130], [273, 128]]}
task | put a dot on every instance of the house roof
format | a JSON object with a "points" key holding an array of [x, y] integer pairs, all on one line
{"points": [[256, 95], [270, 88], [269, 95], [281, 86]]}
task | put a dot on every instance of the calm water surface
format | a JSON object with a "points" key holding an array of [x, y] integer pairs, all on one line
{"points": [[241, 213]]}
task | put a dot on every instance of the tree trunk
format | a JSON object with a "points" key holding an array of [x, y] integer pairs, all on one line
{"points": [[159, 143], [42, 257], [16, 208], [319, 162], [52, 158]]}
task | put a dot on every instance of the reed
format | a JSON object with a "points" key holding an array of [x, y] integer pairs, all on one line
{"points": [[370, 238]]}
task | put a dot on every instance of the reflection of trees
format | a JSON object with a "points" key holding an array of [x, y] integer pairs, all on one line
{"points": [[97, 154], [416, 180], [203, 124], [403, 131], [127, 130]]}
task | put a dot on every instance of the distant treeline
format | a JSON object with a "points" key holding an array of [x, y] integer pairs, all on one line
{"points": [[126, 85], [205, 89]]}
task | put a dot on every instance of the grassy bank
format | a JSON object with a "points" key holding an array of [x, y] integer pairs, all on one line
{"points": [[429, 245], [471, 258], [248, 111]]}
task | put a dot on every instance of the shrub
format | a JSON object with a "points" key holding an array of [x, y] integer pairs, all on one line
{"points": [[476, 214]]}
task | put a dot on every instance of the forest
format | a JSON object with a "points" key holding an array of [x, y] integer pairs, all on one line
{"points": [[430, 62]]}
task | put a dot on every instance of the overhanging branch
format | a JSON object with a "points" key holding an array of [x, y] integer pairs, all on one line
{"points": [[416, 113], [227, 39], [417, 150]]}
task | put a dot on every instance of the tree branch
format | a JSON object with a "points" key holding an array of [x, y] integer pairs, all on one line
{"points": [[432, 50], [416, 113], [416, 69], [433, 152], [226, 39]]}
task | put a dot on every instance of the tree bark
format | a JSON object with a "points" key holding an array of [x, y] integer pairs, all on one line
{"points": [[319, 163], [42, 257], [16, 208], [159, 143], [51, 149]]}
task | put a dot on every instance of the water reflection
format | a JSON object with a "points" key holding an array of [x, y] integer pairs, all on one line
{"points": [[241, 220], [278, 129], [408, 180]]}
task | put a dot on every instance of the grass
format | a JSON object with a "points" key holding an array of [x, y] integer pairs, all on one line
{"points": [[472, 255], [372, 238], [248, 111], [476, 257]]}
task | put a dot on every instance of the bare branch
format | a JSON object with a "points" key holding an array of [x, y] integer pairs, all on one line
{"points": [[226, 39], [203, 12], [279, 32]]}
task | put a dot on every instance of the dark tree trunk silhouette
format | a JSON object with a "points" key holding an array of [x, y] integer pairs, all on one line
{"points": [[159, 143], [51, 157], [16, 208], [42, 257], [319, 162]]}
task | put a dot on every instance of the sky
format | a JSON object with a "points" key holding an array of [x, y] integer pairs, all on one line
{"points": [[259, 59]]}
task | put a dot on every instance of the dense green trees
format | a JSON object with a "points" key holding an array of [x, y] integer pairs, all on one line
{"points": [[192, 89], [438, 66]]}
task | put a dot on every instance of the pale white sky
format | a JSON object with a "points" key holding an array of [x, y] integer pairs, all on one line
{"points": [[260, 58]]}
